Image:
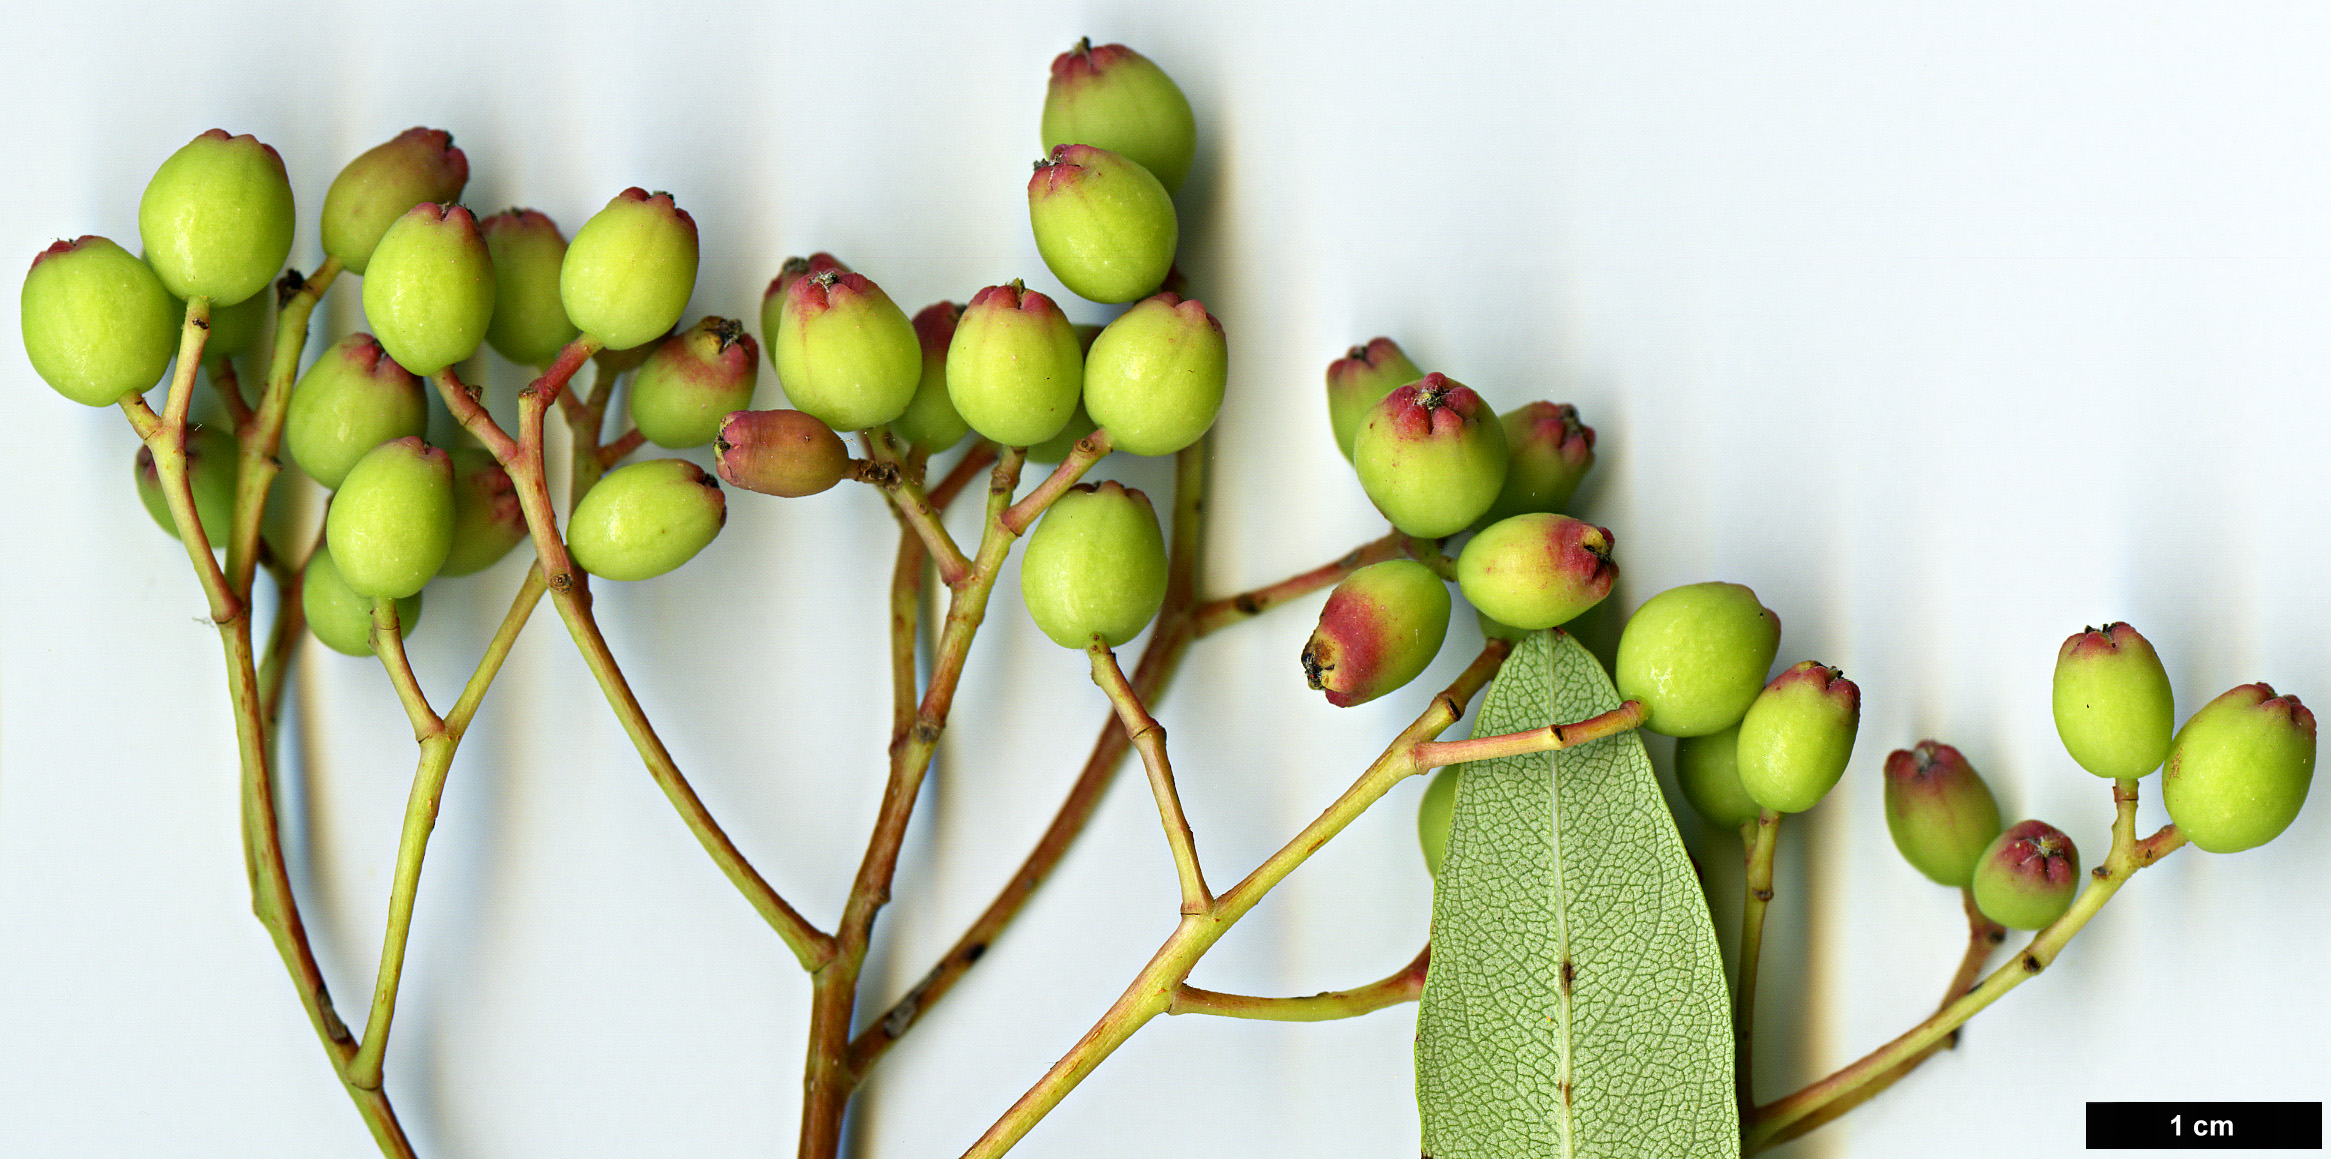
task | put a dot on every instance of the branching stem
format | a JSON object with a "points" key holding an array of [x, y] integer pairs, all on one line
{"points": [[1148, 737], [1404, 986]]}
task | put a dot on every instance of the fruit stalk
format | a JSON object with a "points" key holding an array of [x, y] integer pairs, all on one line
{"points": [[167, 440], [1769, 1124], [1148, 737], [1088, 451], [297, 298], [1758, 895], [1405, 985]]}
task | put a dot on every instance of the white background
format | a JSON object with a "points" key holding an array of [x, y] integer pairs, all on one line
{"points": [[1948, 333]]}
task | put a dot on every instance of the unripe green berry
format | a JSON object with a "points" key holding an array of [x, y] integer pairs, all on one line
{"points": [[1707, 770], [488, 520], [1058, 447], [2027, 876], [1105, 226], [844, 351], [391, 522], [630, 270], [1696, 656], [1095, 566], [530, 323], [97, 323], [351, 400], [2239, 769], [1358, 381], [233, 328], [1940, 812], [1435, 811], [1156, 375], [930, 420], [1797, 737], [1113, 97], [1431, 457], [1537, 571], [779, 452], [1496, 629], [1014, 367], [1548, 452], [1379, 630], [430, 293], [213, 462], [382, 183], [2112, 701], [339, 617], [217, 218], [641, 521], [692, 381]]}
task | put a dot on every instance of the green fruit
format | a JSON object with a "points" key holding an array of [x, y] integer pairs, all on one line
{"points": [[1013, 369], [338, 616], [430, 293], [213, 462], [1940, 812], [692, 381], [1696, 657], [487, 518], [844, 351], [2238, 771], [630, 270], [97, 323], [1707, 770], [1095, 566], [217, 218], [641, 521], [530, 323], [1105, 226], [391, 522], [1113, 97], [2027, 876], [1434, 812], [1056, 448], [779, 452], [1156, 375], [233, 328], [1358, 381], [351, 400], [1548, 452], [1537, 571], [1431, 457], [1379, 630], [1797, 737], [382, 183], [2112, 701], [931, 420]]}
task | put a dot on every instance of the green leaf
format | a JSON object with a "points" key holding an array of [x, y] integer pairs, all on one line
{"points": [[1576, 1003]]}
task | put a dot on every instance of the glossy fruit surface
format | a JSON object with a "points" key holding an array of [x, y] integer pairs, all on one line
{"points": [[641, 521], [382, 183], [217, 218], [487, 518], [2112, 702], [1431, 457], [930, 420], [2027, 877], [1379, 630], [1104, 225], [1798, 736], [96, 322], [1056, 448], [779, 452], [1358, 381], [844, 351], [430, 293], [1113, 97], [1156, 375], [2239, 770], [339, 617], [692, 382], [1696, 656], [1940, 813], [1095, 565], [1548, 453], [1014, 367], [530, 323], [212, 464], [1707, 770], [629, 271], [349, 401], [391, 522], [234, 328], [1537, 571]]}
